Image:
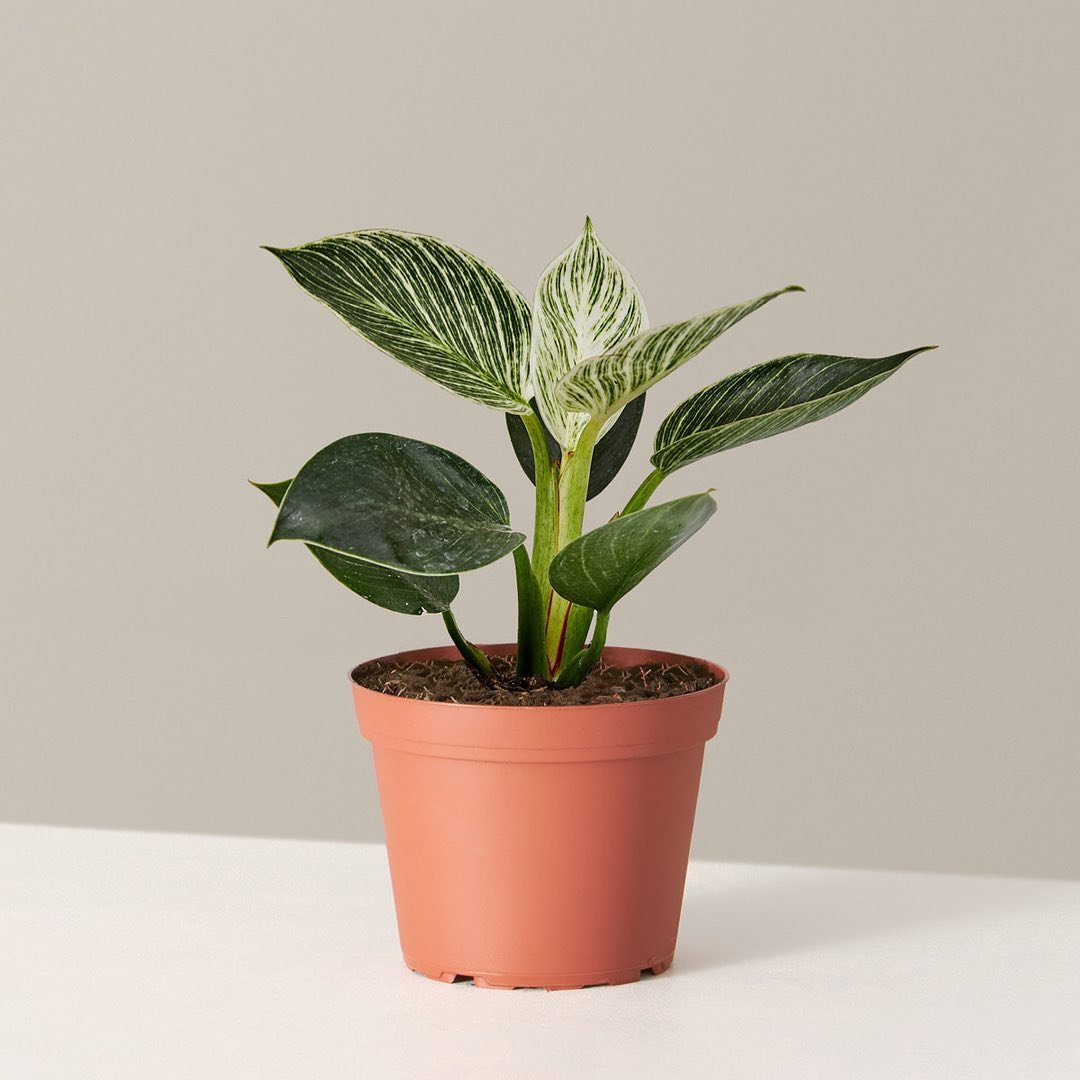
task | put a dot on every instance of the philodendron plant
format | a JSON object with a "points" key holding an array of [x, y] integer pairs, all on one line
{"points": [[397, 520]]}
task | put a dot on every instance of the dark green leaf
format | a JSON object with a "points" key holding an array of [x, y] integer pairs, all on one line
{"points": [[601, 567], [608, 458], [522, 444], [766, 400], [434, 307], [614, 446], [400, 503], [409, 594], [274, 492]]}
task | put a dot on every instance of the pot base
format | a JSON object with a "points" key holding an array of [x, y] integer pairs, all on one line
{"points": [[500, 981]]}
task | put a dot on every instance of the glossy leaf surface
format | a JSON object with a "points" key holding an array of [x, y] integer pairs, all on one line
{"points": [[400, 503], [601, 567], [766, 400], [408, 594]]}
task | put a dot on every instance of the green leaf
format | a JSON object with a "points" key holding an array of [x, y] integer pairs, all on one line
{"points": [[602, 385], [766, 400], [400, 503], [601, 567], [609, 455], [434, 307], [408, 594], [586, 304], [274, 492]]}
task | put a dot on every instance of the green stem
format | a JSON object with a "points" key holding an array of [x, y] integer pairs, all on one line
{"points": [[572, 492], [547, 501], [577, 628], [583, 662], [469, 652], [530, 633], [644, 491]]}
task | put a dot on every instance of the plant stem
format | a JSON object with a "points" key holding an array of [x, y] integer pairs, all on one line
{"points": [[583, 662], [573, 489], [578, 622], [547, 501], [469, 652], [644, 491], [530, 632]]}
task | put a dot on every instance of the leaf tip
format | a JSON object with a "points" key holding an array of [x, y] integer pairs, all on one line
{"points": [[910, 353], [792, 288], [280, 253], [588, 230]]}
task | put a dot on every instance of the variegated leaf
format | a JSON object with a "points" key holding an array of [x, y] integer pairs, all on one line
{"points": [[604, 384], [434, 307], [408, 594], [586, 304], [765, 400]]}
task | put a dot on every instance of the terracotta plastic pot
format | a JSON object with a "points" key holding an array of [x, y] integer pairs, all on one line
{"points": [[539, 846]]}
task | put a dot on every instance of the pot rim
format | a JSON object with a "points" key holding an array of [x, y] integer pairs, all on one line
{"points": [[505, 649]]}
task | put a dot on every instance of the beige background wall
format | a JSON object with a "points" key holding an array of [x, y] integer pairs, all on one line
{"points": [[895, 590]]}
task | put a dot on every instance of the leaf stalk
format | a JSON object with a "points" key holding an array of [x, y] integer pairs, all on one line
{"points": [[472, 656]]}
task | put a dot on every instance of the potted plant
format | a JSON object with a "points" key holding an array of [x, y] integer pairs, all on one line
{"points": [[538, 797]]}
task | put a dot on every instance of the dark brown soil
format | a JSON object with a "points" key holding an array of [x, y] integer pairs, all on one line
{"points": [[452, 680]]}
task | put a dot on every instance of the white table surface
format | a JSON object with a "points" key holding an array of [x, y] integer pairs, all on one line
{"points": [[157, 956]]}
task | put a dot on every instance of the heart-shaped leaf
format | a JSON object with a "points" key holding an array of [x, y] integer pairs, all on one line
{"points": [[609, 455], [434, 307], [601, 567], [603, 384], [408, 594], [400, 503], [765, 400], [586, 304]]}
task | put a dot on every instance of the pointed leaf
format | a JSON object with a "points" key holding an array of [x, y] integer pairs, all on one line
{"points": [[610, 453], [434, 307], [603, 384], [400, 503], [408, 594], [601, 567], [274, 492], [766, 400], [586, 304]]}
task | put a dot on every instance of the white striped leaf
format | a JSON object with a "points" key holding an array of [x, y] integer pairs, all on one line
{"points": [[399, 503], [434, 307], [408, 594], [586, 304], [765, 400], [598, 569], [604, 384]]}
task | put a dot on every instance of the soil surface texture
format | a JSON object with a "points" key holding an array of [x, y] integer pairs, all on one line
{"points": [[454, 681]]}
